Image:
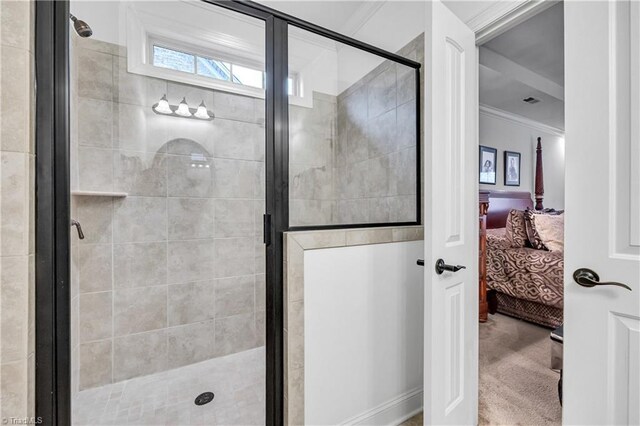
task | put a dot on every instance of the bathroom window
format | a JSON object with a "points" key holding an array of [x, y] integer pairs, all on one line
{"points": [[164, 57]]}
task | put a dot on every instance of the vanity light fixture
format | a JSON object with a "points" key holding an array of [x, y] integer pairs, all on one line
{"points": [[182, 110], [163, 107], [202, 112]]}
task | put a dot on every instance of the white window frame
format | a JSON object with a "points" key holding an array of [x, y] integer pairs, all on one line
{"points": [[141, 37]]}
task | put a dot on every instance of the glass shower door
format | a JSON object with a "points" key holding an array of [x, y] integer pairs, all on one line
{"points": [[168, 184]]}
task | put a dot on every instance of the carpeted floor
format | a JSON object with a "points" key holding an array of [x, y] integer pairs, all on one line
{"points": [[516, 385]]}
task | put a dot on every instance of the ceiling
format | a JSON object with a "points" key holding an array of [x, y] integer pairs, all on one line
{"points": [[334, 15], [537, 45]]}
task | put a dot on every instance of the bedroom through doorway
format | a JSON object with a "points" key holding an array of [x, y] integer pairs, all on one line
{"points": [[521, 206]]}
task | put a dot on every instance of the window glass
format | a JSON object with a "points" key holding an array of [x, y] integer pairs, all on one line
{"points": [[173, 59], [214, 68], [247, 76]]}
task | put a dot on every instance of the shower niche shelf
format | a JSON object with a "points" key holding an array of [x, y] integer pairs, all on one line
{"points": [[99, 194]]}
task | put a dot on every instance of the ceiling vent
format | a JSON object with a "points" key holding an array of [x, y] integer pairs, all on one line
{"points": [[531, 100]]}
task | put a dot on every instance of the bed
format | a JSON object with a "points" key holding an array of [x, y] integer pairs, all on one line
{"points": [[523, 282]]}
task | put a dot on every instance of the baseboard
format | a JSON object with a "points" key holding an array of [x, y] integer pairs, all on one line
{"points": [[392, 412]]}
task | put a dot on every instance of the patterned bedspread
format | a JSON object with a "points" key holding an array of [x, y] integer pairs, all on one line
{"points": [[525, 273]]}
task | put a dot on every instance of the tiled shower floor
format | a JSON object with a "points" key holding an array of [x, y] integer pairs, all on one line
{"points": [[238, 382]]}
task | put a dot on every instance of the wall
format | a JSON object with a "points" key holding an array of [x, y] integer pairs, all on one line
{"points": [[375, 176], [363, 333], [17, 281], [173, 273], [508, 134]]}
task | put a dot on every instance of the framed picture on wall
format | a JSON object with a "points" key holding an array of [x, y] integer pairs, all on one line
{"points": [[488, 157], [511, 168]]}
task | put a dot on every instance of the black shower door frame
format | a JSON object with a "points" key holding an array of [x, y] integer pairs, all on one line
{"points": [[52, 209]]}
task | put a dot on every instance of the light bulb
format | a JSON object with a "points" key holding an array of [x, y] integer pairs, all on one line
{"points": [[183, 109], [162, 107], [202, 112]]}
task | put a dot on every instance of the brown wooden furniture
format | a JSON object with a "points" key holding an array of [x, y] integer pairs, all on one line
{"points": [[539, 188], [483, 206], [494, 207]]}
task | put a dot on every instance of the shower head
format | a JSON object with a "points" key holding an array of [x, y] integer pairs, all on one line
{"points": [[82, 28]]}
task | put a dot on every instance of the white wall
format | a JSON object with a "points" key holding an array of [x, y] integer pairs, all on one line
{"points": [[363, 333], [511, 135]]}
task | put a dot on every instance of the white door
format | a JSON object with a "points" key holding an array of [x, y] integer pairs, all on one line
{"points": [[602, 224], [451, 219]]}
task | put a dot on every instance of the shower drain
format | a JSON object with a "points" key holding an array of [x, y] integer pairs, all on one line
{"points": [[204, 398]]}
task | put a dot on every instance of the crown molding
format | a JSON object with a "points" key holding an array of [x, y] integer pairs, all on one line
{"points": [[515, 118], [502, 16]]}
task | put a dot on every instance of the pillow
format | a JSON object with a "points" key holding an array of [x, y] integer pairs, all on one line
{"points": [[516, 231], [545, 231], [551, 230]]}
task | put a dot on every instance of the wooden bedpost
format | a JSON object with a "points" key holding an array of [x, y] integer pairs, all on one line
{"points": [[539, 188]]}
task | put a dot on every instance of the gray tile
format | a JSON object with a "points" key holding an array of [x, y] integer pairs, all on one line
{"points": [[261, 327], [380, 181], [234, 296], [95, 215], [310, 212], [235, 334], [406, 120], [190, 261], [237, 139], [95, 75], [95, 316], [235, 107], [140, 219], [382, 134], [234, 257], [140, 264], [135, 88], [138, 128], [16, 27], [191, 218], [403, 168], [261, 255], [17, 82], [234, 218], [139, 309], [406, 83], [94, 267], [14, 304], [234, 178], [187, 137], [193, 94], [191, 176], [139, 354], [260, 291], [190, 303], [95, 364], [310, 183], [14, 210], [95, 122], [353, 211], [140, 173], [382, 91], [188, 344], [95, 168]]}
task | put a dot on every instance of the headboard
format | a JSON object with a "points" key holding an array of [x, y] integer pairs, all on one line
{"points": [[501, 202]]}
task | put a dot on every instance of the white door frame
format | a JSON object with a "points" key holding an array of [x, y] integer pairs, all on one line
{"points": [[499, 18]]}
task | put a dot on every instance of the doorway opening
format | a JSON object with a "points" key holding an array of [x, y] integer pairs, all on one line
{"points": [[521, 181]]}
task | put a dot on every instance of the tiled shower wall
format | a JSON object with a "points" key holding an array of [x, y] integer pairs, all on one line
{"points": [[353, 157], [375, 167], [173, 273], [17, 193]]}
